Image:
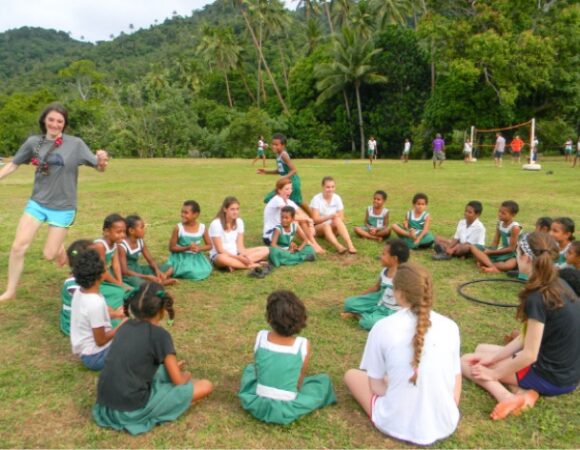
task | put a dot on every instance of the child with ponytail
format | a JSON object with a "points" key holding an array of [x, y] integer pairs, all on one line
{"points": [[545, 358], [410, 382], [143, 383]]}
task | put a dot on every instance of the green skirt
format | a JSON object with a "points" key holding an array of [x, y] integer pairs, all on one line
{"points": [[279, 257], [497, 258], [166, 403], [316, 393], [368, 319], [115, 297], [296, 195], [143, 269], [426, 241], [365, 303], [190, 266]]}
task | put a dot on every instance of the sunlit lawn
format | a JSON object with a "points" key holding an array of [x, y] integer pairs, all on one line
{"points": [[46, 396]]}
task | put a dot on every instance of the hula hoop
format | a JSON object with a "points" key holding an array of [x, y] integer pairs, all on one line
{"points": [[487, 302]]}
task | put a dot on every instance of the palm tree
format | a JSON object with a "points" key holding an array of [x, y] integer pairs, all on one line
{"points": [[241, 5], [352, 67], [277, 23], [219, 48], [393, 12], [363, 18], [313, 34]]}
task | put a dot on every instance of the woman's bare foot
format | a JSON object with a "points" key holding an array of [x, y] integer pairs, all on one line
{"points": [[515, 405], [7, 296], [341, 250]]}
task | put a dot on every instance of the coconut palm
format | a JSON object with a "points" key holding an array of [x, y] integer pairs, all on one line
{"points": [[218, 47], [351, 68]]}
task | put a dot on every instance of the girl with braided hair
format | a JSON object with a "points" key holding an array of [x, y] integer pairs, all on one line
{"points": [[143, 383], [410, 378], [545, 358]]}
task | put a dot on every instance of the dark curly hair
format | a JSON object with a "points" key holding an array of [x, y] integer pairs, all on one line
{"points": [[193, 205], [132, 221], [88, 268], [285, 313], [112, 219], [147, 301], [420, 196], [75, 249], [398, 248]]}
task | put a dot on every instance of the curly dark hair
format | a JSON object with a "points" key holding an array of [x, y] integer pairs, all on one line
{"points": [[75, 249], [88, 268], [112, 219], [398, 248], [420, 196], [148, 300], [285, 313]]}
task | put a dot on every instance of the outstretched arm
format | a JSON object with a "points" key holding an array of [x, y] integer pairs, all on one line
{"points": [[8, 169], [102, 160]]}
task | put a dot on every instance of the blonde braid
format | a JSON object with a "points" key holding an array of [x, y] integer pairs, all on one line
{"points": [[421, 310]]}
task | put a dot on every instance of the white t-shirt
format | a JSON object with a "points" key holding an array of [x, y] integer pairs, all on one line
{"points": [[325, 209], [372, 144], [229, 238], [407, 147], [272, 214], [421, 413], [474, 234], [500, 144], [467, 148], [88, 311]]}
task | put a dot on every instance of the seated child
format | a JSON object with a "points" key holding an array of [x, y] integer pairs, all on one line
{"points": [[283, 249], [275, 389], [573, 256], [188, 243], [135, 274], [562, 230], [470, 231], [376, 225], [143, 384], [379, 301], [543, 224], [70, 285], [415, 228], [90, 323], [112, 287], [501, 256], [409, 382]]}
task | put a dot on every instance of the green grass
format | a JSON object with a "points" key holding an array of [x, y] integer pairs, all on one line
{"points": [[46, 395]]}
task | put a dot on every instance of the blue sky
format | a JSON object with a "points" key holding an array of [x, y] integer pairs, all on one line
{"points": [[95, 20]]}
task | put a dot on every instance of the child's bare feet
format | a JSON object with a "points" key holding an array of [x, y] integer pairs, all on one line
{"points": [[170, 281], [348, 315], [491, 269]]}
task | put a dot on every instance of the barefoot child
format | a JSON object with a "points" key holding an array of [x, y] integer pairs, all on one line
{"points": [[189, 241], [379, 301], [410, 379], [283, 250], [376, 225], [545, 358], [415, 228], [112, 287], [143, 384], [501, 256], [562, 230], [90, 324], [470, 231], [285, 168], [275, 388], [135, 274], [70, 285]]}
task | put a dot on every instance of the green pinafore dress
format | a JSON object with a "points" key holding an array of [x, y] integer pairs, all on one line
{"points": [[374, 306], [376, 221], [269, 387], [114, 294], [280, 256], [418, 224], [505, 233], [561, 261], [133, 255], [66, 294], [284, 170], [190, 265]]}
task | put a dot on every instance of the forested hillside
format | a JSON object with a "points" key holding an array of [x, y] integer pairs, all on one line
{"points": [[328, 75]]}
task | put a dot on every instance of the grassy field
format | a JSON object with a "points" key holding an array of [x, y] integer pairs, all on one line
{"points": [[46, 395]]}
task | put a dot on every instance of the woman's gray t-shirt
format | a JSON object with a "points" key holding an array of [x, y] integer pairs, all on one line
{"points": [[58, 189]]}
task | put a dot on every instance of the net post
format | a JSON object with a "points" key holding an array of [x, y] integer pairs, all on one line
{"points": [[532, 139]]}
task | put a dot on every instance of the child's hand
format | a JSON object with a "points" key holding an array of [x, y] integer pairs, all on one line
{"points": [[260, 171], [118, 313], [417, 241], [372, 230], [151, 278], [193, 247], [482, 373], [181, 364], [126, 287], [293, 247], [411, 233]]}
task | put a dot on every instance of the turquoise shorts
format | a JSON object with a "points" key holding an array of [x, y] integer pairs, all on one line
{"points": [[53, 217]]}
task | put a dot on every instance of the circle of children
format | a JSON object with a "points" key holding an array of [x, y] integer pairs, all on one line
{"points": [[409, 381]]}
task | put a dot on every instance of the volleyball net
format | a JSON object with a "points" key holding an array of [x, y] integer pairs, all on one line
{"points": [[482, 138]]}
